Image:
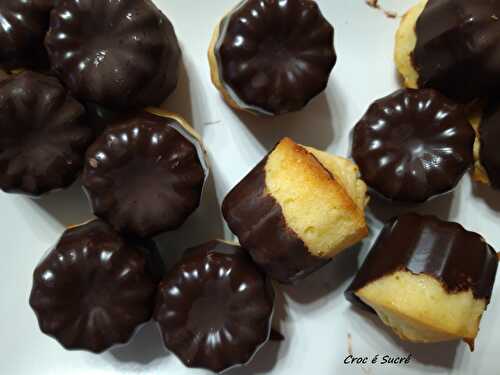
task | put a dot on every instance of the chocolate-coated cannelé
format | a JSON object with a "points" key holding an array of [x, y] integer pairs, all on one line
{"points": [[23, 25], [413, 145], [452, 46], [429, 280], [272, 57], [297, 209], [486, 151], [214, 307], [119, 54], [43, 135], [145, 173], [94, 288]]}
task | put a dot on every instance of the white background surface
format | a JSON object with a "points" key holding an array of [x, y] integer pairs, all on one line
{"points": [[314, 316]]}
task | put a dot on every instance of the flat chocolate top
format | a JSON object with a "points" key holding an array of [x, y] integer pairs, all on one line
{"points": [[459, 259], [143, 175], [489, 132], [257, 220], [43, 135], [275, 56], [458, 47], [413, 145], [23, 24], [214, 308], [93, 289], [120, 54]]}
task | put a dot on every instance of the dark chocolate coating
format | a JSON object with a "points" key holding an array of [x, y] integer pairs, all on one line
{"points": [[275, 56], [413, 145], [459, 259], [120, 54], [144, 176], [257, 220], [214, 308], [23, 24], [458, 47], [43, 135], [489, 135], [93, 289]]}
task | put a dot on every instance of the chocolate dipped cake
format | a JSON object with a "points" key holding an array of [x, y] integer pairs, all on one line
{"points": [[272, 57], [486, 151], [94, 288], [413, 145], [43, 135], [119, 54], [452, 46], [145, 173], [214, 307], [429, 280], [23, 25], [297, 209]]}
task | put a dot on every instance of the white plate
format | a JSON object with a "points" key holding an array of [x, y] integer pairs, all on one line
{"points": [[315, 317]]}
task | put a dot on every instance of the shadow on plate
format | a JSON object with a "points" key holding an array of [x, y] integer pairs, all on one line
{"points": [[145, 346], [440, 206], [436, 354], [203, 225], [266, 358], [180, 100], [488, 195], [68, 207], [328, 280], [306, 126]]}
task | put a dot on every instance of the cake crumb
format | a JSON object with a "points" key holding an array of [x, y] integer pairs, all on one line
{"points": [[390, 13], [349, 344], [375, 4]]}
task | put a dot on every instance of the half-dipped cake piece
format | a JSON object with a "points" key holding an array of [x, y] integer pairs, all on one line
{"points": [[452, 46], [43, 135], [272, 57], [119, 54], [145, 173], [429, 280], [413, 145], [94, 288], [486, 150], [297, 209], [214, 307]]}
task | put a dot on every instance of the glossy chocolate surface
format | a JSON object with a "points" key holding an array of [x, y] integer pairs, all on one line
{"points": [[459, 259], [257, 220], [413, 145], [275, 56], [93, 289], [23, 25], [144, 175], [458, 47], [214, 308], [120, 54], [43, 135], [489, 133]]}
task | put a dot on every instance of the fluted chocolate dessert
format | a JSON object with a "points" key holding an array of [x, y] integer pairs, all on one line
{"points": [[119, 54], [145, 173], [94, 288], [429, 280], [214, 307], [272, 57], [43, 135], [413, 145], [452, 46], [23, 25]]}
